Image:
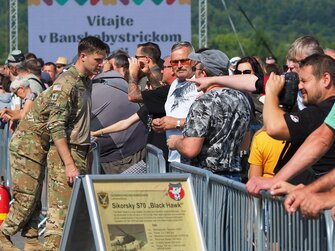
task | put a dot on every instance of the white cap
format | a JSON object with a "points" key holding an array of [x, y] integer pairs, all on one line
{"points": [[18, 82], [234, 60]]}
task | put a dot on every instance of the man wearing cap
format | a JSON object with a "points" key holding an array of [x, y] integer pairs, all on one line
{"points": [[216, 122], [60, 63], [13, 60], [20, 86]]}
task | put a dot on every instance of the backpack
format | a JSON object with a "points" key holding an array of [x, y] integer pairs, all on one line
{"points": [[38, 81]]}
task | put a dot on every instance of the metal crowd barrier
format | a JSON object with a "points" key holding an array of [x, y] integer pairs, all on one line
{"points": [[284, 231], [155, 162], [234, 220], [95, 150], [5, 171], [232, 215], [5, 136]]}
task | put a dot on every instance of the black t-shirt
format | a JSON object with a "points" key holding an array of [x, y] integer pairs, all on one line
{"points": [[300, 125], [259, 85], [154, 101], [144, 116]]}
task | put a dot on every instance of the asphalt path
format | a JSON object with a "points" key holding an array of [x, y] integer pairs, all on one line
{"points": [[18, 240]]}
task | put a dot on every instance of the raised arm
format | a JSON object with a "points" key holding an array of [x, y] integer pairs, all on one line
{"points": [[273, 116], [134, 91], [245, 82]]}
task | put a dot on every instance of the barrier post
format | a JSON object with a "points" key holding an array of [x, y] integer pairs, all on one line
{"points": [[259, 237], [330, 230], [154, 159], [95, 149], [4, 154]]}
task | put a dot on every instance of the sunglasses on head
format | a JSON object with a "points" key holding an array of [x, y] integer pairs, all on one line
{"points": [[237, 72], [184, 61]]}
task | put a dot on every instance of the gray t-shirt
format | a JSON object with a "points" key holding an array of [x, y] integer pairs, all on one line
{"points": [[34, 83], [110, 104]]}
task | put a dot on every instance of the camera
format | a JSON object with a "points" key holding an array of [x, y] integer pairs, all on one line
{"points": [[288, 95]]}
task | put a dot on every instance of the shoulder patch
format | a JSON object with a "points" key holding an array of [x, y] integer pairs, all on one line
{"points": [[57, 88]]}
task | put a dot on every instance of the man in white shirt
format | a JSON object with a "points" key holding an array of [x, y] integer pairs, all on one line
{"points": [[181, 95]]}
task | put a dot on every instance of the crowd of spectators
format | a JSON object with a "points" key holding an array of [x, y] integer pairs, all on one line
{"points": [[199, 107]]}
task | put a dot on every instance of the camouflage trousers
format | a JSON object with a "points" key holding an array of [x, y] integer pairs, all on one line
{"points": [[27, 180], [59, 193]]}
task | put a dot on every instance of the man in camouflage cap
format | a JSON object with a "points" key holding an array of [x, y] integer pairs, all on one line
{"points": [[60, 115], [14, 59]]}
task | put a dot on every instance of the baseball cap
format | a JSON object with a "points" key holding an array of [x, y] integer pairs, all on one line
{"points": [[18, 82], [212, 60], [15, 57], [61, 60]]}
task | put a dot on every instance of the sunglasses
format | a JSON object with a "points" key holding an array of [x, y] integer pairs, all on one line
{"points": [[237, 72], [137, 57], [166, 66], [60, 66], [184, 61]]}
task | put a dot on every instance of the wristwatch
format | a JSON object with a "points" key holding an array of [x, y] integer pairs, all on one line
{"points": [[178, 127]]}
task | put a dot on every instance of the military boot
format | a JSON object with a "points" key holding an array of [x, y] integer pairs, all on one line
{"points": [[6, 244], [32, 244]]}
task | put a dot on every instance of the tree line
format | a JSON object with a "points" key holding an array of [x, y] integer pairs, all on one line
{"points": [[266, 27]]}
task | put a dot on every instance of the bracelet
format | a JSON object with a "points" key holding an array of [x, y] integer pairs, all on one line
{"points": [[102, 132]]}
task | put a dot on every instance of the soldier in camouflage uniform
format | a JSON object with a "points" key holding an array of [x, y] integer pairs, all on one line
{"points": [[61, 114], [28, 151]]}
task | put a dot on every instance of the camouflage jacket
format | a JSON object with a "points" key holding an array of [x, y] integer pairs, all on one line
{"points": [[221, 117], [61, 111]]}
